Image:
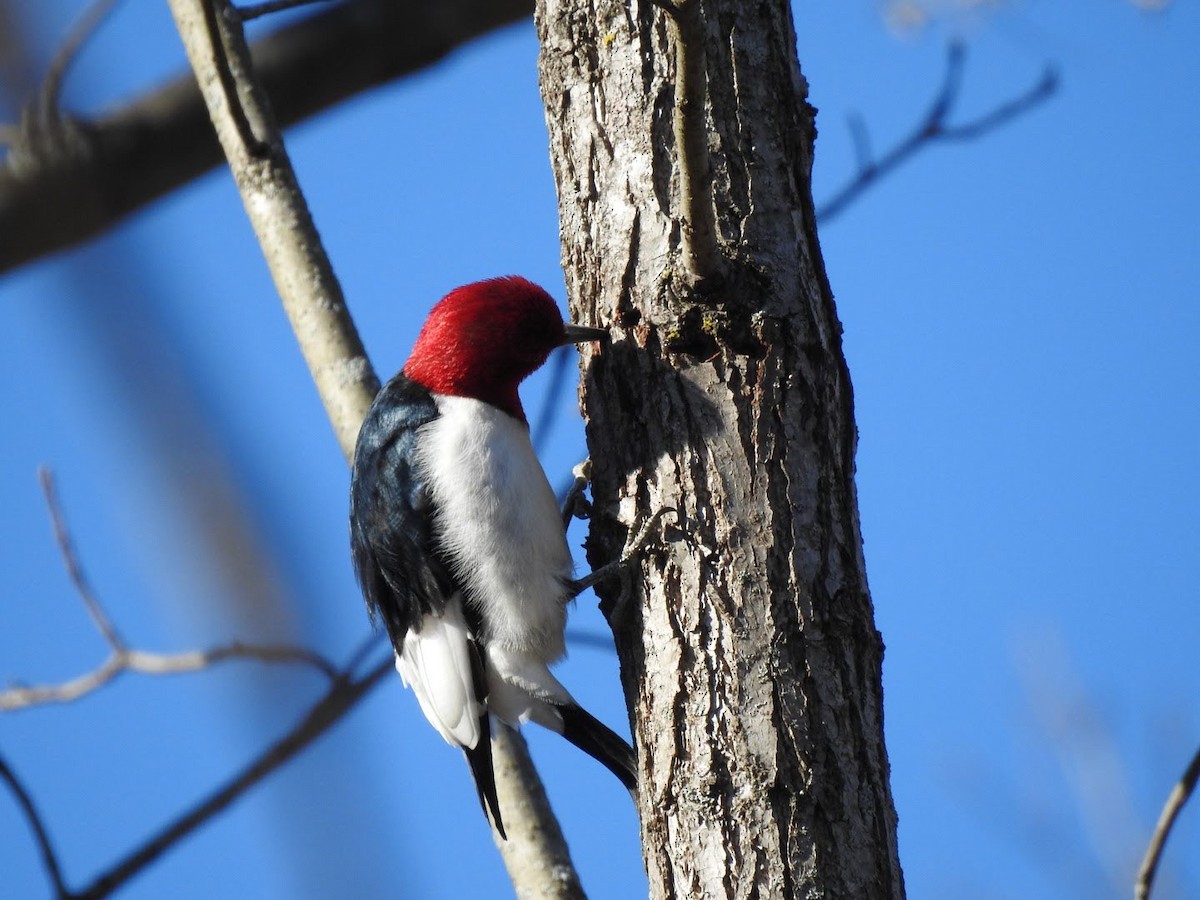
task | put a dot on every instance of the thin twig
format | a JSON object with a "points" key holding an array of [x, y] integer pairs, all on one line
{"points": [[127, 660], [49, 857], [1166, 821], [933, 128], [80, 33], [1005, 112], [62, 538], [372, 640], [595, 640], [344, 694]]}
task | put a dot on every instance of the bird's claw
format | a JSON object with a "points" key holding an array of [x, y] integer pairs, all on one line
{"points": [[576, 506], [633, 547]]}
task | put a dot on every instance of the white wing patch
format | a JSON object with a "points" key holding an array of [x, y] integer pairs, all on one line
{"points": [[436, 664]]}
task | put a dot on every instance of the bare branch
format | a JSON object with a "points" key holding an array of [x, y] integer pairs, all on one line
{"points": [[275, 205], [343, 693], [162, 140], [123, 658], [234, 109], [933, 128], [49, 858], [127, 660], [535, 854], [1005, 112], [341, 697], [548, 414], [1166, 821], [63, 538], [313, 301], [80, 32]]}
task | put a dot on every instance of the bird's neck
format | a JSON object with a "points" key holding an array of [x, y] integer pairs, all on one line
{"points": [[441, 377]]}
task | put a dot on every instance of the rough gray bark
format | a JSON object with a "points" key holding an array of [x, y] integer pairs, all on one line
{"points": [[749, 654]]}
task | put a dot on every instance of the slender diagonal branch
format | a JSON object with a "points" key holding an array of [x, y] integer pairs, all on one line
{"points": [[346, 691], [40, 835], [62, 537], [934, 128], [544, 423], [343, 695], [66, 54], [1166, 821], [328, 339]]}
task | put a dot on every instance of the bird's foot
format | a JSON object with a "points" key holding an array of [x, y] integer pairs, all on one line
{"points": [[576, 506], [633, 548]]}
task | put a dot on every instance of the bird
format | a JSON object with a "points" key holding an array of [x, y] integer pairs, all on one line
{"points": [[456, 536]]}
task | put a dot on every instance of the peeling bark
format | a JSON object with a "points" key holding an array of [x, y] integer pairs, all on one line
{"points": [[749, 654]]}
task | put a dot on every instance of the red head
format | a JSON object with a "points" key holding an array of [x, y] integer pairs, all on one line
{"points": [[483, 339]]}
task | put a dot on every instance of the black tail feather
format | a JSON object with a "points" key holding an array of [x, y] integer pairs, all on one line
{"points": [[479, 758], [600, 742]]}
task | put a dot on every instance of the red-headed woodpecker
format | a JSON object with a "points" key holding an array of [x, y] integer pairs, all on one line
{"points": [[456, 535]]}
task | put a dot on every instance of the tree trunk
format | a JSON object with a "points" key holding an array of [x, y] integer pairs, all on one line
{"points": [[749, 655]]}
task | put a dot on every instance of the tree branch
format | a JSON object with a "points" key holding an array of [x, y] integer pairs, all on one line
{"points": [[344, 694], [303, 275], [49, 858], [345, 691], [934, 128], [313, 301], [62, 538], [77, 178], [80, 33], [1166, 821], [535, 854], [123, 658], [147, 663]]}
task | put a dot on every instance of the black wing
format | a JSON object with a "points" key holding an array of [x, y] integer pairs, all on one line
{"points": [[398, 567], [400, 570]]}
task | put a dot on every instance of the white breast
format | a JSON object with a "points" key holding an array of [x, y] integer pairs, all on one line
{"points": [[499, 521]]}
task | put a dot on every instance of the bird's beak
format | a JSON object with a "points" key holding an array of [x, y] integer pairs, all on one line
{"points": [[578, 334]]}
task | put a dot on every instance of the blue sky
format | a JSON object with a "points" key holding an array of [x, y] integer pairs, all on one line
{"points": [[1020, 319]]}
